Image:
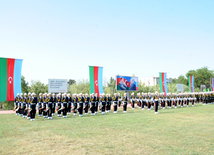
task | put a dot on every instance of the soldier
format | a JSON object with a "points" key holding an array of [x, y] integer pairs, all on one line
{"points": [[75, 100], [80, 104], [33, 102], [86, 107], [138, 100], [39, 104], [149, 99], [175, 100], [16, 104], [58, 104], [49, 101], [53, 105], [92, 100], [64, 105], [125, 101], [28, 105], [103, 103], [132, 99], [169, 101], [143, 101], [115, 101], [96, 103], [119, 100], [69, 104], [152, 101], [24, 105], [156, 99], [44, 106], [20, 105]]}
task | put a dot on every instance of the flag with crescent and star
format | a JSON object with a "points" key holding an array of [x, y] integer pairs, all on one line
{"points": [[10, 78], [96, 79], [163, 83]]}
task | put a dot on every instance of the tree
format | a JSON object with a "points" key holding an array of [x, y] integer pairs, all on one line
{"points": [[38, 87], [70, 82], [24, 85]]}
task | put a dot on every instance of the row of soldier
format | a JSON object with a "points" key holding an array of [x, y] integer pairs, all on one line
{"points": [[48, 105]]}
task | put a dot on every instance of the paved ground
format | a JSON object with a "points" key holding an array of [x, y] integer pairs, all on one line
{"points": [[7, 111]]}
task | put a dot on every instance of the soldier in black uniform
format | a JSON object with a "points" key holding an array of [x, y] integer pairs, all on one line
{"points": [[69, 104], [93, 100], [156, 99], [125, 101], [87, 100], [53, 105], [23, 104], [115, 102], [119, 100], [16, 104], [24, 101], [33, 102], [45, 104], [28, 105], [39, 104], [138, 99], [80, 104], [132, 99], [58, 104], [64, 105], [110, 101], [103, 103], [96, 103], [49, 101], [143, 100], [107, 103], [75, 100]]}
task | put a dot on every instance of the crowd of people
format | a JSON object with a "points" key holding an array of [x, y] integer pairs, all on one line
{"points": [[47, 105]]}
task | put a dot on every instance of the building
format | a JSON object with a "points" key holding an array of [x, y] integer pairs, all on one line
{"points": [[153, 81]]}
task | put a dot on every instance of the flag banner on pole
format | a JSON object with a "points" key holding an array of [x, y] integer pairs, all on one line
{"points": [[211, 84], [96, 79], [163, 83], [191, 84], [10, 78]]}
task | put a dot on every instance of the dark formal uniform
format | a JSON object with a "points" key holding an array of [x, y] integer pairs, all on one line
{"points": [[175, 100], [103, 104], [156, 99], [87, 100], [28, 109], [16, 104], [64, 106], [49, 101], [149, 97], [80, 105], [93, 100], [75, 100], [45, 104], [132, 98], [39, 105], [53, 106], [58, 106], [138, 101], [109, 103], [115, 101], [23, 106], [33, 102], [125, 102], [96, 104], [69, 105]]}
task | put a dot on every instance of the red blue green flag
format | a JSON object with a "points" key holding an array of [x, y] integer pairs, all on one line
{"points": [[163, 83], [191, 84], [10, 78], [211, 84], [96, 79]]}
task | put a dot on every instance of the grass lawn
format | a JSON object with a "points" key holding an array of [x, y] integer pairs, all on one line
{"points": [[173, 131]]}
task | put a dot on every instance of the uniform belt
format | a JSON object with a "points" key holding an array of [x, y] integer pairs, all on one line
{"points": [[64, 102], [80, 102], [49, 102], [92, 102], [156, 99]]}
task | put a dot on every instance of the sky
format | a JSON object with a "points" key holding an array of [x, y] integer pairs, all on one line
{"points": [[60, 39]]}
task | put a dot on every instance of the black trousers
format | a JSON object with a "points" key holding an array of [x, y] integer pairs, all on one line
{"points": [[175, 102], [69, 107], [92, 108], [115, 107], [103, 107], [164, 104], [75, 107], [193, 102], [132, 104], [33, 111], [142, 105], [64, 109], [53, 108], [187, 102], [182, 103], [59, 107], [86, 107], [125, 106], [43, 110], [119, 104], [96, 106], [149, 105], [80, 109], [156, 106], [49, 110]]}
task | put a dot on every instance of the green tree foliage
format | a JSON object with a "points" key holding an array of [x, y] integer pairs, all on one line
{"points": [[38, 87], [82, 86], [24, 85], [70, 82]]}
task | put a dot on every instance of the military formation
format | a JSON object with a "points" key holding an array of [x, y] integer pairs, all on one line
{"points": [[62, 105]]}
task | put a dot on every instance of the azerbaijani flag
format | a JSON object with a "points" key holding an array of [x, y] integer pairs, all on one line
{"points": [[96, 79], [163, 83], [10, 78], [211, 84], [191, 84]]}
